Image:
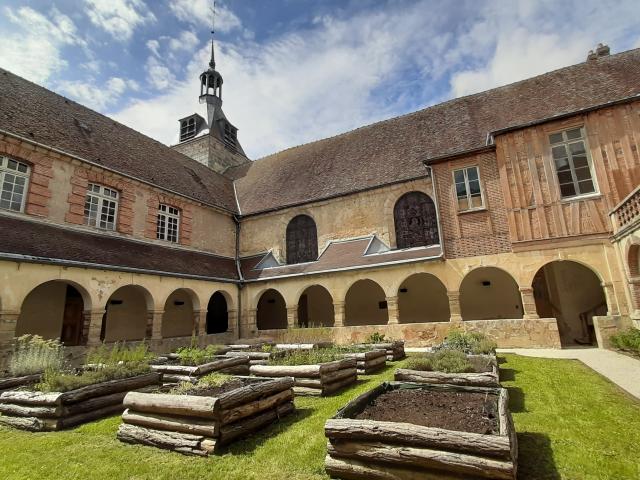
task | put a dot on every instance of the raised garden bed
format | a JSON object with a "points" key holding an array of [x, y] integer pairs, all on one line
{"points": [[38, 411], [249, 344], [200, 424], [256, 355], [303, 346], [414, 431], [485, 374], [11, 383], [315, 379], [173, 372], [394, 349], [369, 362]]}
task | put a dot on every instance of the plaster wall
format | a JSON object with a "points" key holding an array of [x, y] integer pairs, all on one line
{"points": [[126, 320], [42, 311], [178, 317]]}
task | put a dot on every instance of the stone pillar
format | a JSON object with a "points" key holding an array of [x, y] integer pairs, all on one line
{"points": [[156, 325], [528, 304], [292, 316], [338, 314], [610, 296], [95, 326], [252, 322], [200, 322], [232, 322], [8, 322], [392, 310], [454, 307]]}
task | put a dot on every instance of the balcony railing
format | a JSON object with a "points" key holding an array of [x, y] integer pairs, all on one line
{"points": [[627, 212]]}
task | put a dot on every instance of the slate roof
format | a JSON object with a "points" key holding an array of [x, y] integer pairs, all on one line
{"points": [[47, 243], [338, 255], [43, 116], [393, 150]]}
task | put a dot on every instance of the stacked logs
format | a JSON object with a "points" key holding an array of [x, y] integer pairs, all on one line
{"points": [[197, 425], [486, 374], [319, 379], [37, 411], [11, 383], [394, 349], [365, 449], [256, 358], [172, 374], [369, 362]]}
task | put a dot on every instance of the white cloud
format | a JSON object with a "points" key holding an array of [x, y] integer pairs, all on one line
{"points": [[154, 46], [119, 18], [96, 95], [159, 74], [187, 41], [198, 12], [35, 52]]}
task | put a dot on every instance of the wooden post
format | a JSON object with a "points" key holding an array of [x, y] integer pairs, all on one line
{"points": [[454, 307], [528, 304], [95, 326], [392, 310], [338, 313], [8, 322], [609, 293], [156, 325], [292, 316]]}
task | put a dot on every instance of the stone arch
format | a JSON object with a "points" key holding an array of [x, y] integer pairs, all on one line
{"points": [[365, 304], [488, 293], [633, 266], [415, 220], [218, 312], [56, 309], [178, 319], [572, 293], [422, 297], [315, 307], [127, 314], [302, 240], [272, 311]]}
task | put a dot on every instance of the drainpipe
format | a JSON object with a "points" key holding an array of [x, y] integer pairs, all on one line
{"points": [[435, 198], [236, 220]]}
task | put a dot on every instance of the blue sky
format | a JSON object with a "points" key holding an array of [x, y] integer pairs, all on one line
{"points": [[297, 70]]}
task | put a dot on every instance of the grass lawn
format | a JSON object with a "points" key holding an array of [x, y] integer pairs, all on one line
{"points": [[571, 424]]}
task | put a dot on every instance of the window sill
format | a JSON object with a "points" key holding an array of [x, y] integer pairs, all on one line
{"points": [[472, 210], [588, 196]]}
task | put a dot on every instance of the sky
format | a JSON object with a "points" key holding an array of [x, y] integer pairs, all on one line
{"points": [[297, 70]]}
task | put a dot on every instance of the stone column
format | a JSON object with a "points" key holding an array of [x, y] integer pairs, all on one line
{"points": [[95, 326], [528, 304], [156, 325], [610, 296], [338, 314], [252, 322], [454, 307], [392, 310], [292, 316], [200, 322], [8, 322], [232, 322]]}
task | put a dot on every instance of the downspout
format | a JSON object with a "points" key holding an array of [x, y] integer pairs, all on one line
{"points": [[236, 220], [435, 198]]}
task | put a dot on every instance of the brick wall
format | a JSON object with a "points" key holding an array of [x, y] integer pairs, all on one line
{"points": [[468, 234]]}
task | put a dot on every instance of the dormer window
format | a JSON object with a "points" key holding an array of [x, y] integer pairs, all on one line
{"points": [[187, 129], [230, 136]]}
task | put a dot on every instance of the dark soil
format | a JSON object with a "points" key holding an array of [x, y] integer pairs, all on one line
{"points": [[460, 411]]}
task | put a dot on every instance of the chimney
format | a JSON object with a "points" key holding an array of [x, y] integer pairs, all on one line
{"points": [[602, 50]]}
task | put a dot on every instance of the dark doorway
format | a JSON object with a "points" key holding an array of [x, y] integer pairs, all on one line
{"points": [[217, 314], [73, 318], [303, 311]]}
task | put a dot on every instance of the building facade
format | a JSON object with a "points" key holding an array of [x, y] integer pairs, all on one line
{"points": [[514, 212]]}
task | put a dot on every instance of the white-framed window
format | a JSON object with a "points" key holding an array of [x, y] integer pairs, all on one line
{"points": [[101, 207], [168, 223], [572, 162], [14, 179], [468, 191]]}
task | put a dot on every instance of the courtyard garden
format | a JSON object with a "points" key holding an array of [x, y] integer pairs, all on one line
{"points": [[570, 422]]}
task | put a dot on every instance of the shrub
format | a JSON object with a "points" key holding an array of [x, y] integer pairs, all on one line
{"points": [[376, 337], [267, 348], [211, 380], [308, 357], [119, 353], [424, 364], [448, 361], [32, 354], [468, 342], [627, 340], [311, 334], [196, 355]]}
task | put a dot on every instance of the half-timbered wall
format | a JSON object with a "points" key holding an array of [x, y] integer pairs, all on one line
{"points": [[535, 208]]}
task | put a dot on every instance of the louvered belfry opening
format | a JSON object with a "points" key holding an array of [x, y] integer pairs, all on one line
{"points": [[302, 240], [415, 220]]}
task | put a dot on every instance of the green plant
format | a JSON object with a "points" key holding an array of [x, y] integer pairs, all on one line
{"points": [[308, 357], [376, 337], [61, 381], [33, 354], [211, 380], [447, 361], [627, 340], [310, 334], [423, 364], [468, 342], [196, 355], [119, 353], [267, 348]]}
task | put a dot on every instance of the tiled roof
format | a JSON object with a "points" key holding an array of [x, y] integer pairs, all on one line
{"points": [[46, 243], [393, 150], [338, 255], [40, 115]]}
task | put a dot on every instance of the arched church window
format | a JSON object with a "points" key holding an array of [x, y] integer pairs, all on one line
{"points": [[415, 221], [302, 240]]}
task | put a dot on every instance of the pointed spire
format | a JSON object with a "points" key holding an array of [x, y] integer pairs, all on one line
{"points": [[212, 62]]}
